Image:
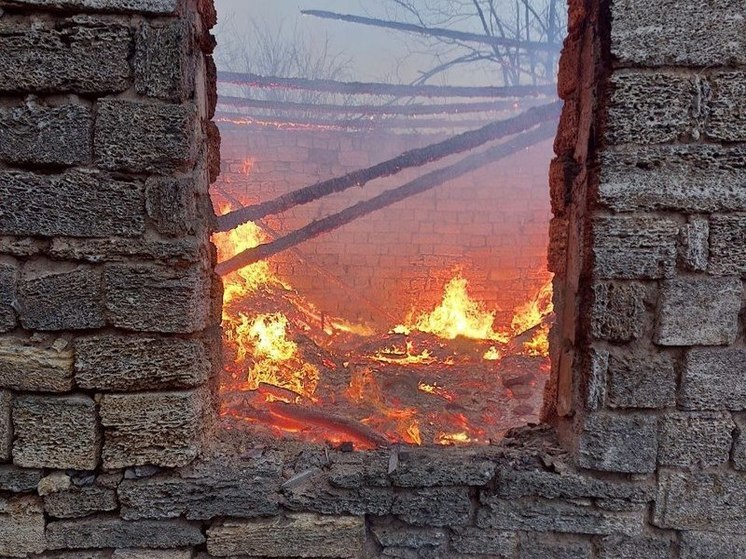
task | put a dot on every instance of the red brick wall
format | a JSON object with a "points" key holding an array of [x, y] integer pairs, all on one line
{"points": [[492, 223]]}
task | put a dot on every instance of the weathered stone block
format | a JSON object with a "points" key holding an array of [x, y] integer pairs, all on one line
{"points": [[532, 547], [649, 108], [206, 490], [641, 380], [107, 531], [6, 425], [56, 432], [152, 554], [704, 545], [698, 311], [175, 252], [54, 483], [78, 203], [321, 497], [144, 137], [699, 439], [145, 6], [618, 312], [134, 363], [694, 241], [618, 443], [713, 379], [78, 502], [426, 468], [18, 480], [728, 245], [686, 177], [395, 534], [61, 297], [726, 119], [433, 507], [711, 502], [21, 526], [556, 516], [164, 61], [159, 428], [295, 535], [622, 547], [78, 554], [46, 135], [171, 204], [484, 541], [151, 298], [634, 247], [739, 447], [675, 33], [31, 368], [8, 293]]}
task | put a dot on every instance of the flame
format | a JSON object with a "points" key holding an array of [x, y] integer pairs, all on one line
{"points": [[436, 390], [532, 315], [461, 437], [459, 315], [394, 354], [492, 354]]}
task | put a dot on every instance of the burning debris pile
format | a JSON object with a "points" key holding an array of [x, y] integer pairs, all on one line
{"points": [[445, 375]]}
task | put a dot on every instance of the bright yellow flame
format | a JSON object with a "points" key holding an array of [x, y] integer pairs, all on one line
{"points": [[407, 356], [451, 438], [492, 354], [532, 314]]}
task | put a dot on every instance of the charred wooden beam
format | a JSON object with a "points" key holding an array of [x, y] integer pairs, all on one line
{"points": [[396, 90], [417, 186], [413, 158]]}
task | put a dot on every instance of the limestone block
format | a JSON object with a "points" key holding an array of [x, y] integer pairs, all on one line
{"points": [[144, 6], [698, 311], [78, 502], [707, 501], [78, 554], [726, 119], [165, 62], [171, 204], [394, 534], [77, 203], [694, 244], [618, 312], [47, 135], [21, 526], [618, 443], [641, 380], [623, 547], [531, 547], [428, 468], [317, 496], [739, 447], [676, 33], [59, 432], [158, 428], [712, 379], [8, 293], [154, 298], [295, 535], [175, 252], [32, 368], [634, 247], [687, 177], [18, 480], [135, 363], [152, 554], [649, 108], [728, 245], [446, 506], [109, 531], [691, 440], [61, 297], [64, 56], [6, 425], [484, 541], [144, 137], [54, 483], [704, 545]]}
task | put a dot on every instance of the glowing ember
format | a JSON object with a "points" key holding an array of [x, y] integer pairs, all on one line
{"points": [[492, 354], [403, 356]]}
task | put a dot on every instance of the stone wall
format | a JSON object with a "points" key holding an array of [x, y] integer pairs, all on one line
{"points": [[108, 340]]}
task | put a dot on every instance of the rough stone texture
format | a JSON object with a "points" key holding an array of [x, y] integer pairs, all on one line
{"points": [[54, 483], [176, 252], [712, 379], [80, 501], [739, 448], [56, 432], [393, 534], [532, 547], [687, 177], [151, 554], [421, 468], [204, 491], [150, 298], [622, 547], [164, 67], [68, 56], [294, 535], [61, 298], [476, 540], [634, 247], [319, 496], [144, 137], [698, 311], [728, 244], [433, 507], [159, 428], [46, 135], [726, 120], [618, 443], [78, 203], [694, 440], [171, 204], [703, 545], [674, 33], [641, 380], [618, 312], [694, 244], [6, 424], [108, 531], [144, 6], [18, 480], [128, 363], [8, 286], [31, 368], [707, 501], [21, 526], [649, 108]]}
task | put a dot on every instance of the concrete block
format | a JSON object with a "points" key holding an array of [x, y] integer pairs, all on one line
{"points": [[21, 526], [165, 61], [32, 368], [712, 379], [6, 425], [641, 380], [728, 245], [695, 439], [433, 507], [698, 311], [618, 312], [59, 432], [618, 443]]}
